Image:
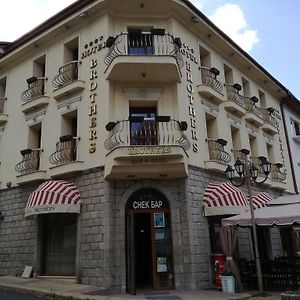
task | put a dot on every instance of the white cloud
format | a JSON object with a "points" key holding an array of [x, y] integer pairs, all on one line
{"points": [[230, 19], [19, 17], [198, 3]]}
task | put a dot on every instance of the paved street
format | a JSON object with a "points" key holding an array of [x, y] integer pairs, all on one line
{"points": [[7, 294]]}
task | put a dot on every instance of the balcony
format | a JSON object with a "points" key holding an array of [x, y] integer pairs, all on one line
{"points": [[218, 157], [210, 88], [253, 112], [66, 82], [144, 56], [235, 102], [3, 116], [270, 124], [34, 97], [277, 176], [146, 148], [29, 166], [64, 159]]}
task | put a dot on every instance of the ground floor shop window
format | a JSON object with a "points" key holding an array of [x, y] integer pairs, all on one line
{"points": [[290, 240], [58, 244]]}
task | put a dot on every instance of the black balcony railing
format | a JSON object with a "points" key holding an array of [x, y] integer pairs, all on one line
{"points": [[234, 96], [161, 131], [30, 161], [216, 151], [144, 43], [251, 107], [237, 154], [66, 149], [66, 74], [268, 118], [2, 103], [36, 89], [209, 78], [276, 173]]}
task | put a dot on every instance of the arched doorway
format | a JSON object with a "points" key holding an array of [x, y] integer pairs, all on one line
{"points": [[149, 259]]}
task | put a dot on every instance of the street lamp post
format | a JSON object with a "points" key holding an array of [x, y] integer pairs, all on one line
{"points": [[248, 174]]}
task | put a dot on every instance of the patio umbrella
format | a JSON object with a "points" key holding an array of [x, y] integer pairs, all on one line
{"points": [[228, 243], [286, 199], [288, 214]]}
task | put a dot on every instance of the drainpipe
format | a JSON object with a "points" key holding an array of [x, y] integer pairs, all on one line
{"points": [[288, 146]]}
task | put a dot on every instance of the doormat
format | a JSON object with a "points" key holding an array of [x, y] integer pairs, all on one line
{"points": [[156, 293], [164, 297], [100, 292]]}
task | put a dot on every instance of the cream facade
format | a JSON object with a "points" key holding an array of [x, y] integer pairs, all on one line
{"points": [[140, 105]]}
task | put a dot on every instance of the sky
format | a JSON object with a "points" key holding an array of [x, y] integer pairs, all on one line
{"points": [[268, 30]]}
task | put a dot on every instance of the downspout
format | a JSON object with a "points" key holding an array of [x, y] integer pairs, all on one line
{"points": [[288, 147]]}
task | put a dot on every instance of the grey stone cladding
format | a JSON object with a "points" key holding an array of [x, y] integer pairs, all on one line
{"points": [[17, 235], [101, 251]]}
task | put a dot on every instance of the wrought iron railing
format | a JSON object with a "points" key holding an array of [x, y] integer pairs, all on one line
{"points": [[251, 107], [65, 152], [2, 103], [276, 173], [209, 78], [257, 163], [36, 89], [143, 132], [30, 161], [237, 154], [145, 43], [268, 118], [234, 96], [66, 74], [217, 152]]}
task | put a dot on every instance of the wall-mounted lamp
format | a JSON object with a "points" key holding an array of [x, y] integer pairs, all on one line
{"points": [[110, 41], [31, 79], [195, 19], [237, 86], [84, 15], [254, 99]]}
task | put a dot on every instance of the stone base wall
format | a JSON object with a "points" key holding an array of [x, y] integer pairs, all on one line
{"points": [[17, 235], [101, 252]]}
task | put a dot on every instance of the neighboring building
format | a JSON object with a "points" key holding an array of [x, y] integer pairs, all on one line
{"points": [[137, 106], [291, 114]]}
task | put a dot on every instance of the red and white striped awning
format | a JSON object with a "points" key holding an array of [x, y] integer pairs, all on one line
{"points": [[260, 199], [53, 196], [223, 198]]}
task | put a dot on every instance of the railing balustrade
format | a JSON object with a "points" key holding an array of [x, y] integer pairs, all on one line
{"points": [[2, 102], [276, 173], [145, 43], [252, 108], [146, 133], [268, 118], [65, 151], [234, 96], [30, 161], [209, 78], [217, 152], [237, 154], [66, 74], [35, 90]]}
